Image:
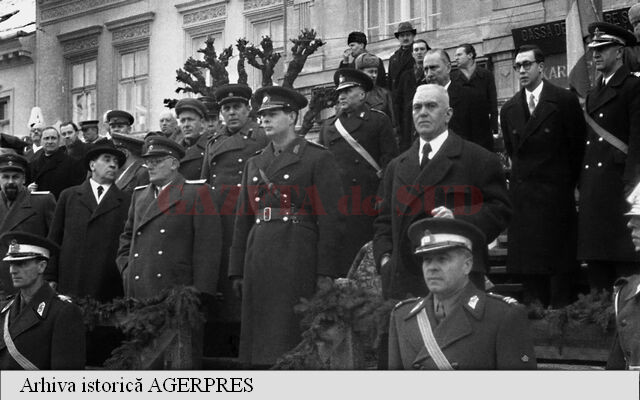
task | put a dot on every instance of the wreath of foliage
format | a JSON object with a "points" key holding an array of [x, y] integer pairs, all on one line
{"points": [[142, 320], [593, 308]]}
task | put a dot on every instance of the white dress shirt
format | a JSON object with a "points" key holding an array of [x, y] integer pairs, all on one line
{"points": [[94, 189], [435, 145]]}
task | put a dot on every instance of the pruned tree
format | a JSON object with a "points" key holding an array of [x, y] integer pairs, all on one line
{"points": [[193, 74], [303, 46], [263, 58], [243, 78]]}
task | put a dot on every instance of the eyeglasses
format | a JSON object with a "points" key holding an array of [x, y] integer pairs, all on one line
{"points": [[154, 161], [526, 64]]}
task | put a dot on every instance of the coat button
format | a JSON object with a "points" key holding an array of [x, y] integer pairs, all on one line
{"points": [[257, 220], [586, 167], [284, 195], [213, 187], [239, 159], [354, 180], [239, 185], [600, 139], [136, 277], [135, 255], [286, 176], [588, 142], [240, 172], [245, 138], [601, 115], [257, 199], [285, 219], [255, 179], [162, 231], [159, 275], [201, 154], [139, 233], [599, 164], [214, 163], [159, 252], [214, 176]]}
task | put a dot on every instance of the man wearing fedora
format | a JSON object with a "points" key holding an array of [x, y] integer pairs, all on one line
{"points": [[172, 235], [40, 329], [87, 225], [402, 59], [362, 141], [456, 326], [611, 165], [20, 210], [289, 197], [357, 42], [132, 173]]}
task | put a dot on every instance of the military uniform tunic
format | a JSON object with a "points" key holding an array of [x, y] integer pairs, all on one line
{"points": [[288, 232]]}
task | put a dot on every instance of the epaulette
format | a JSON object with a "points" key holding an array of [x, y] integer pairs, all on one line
{"points": [[316, 144], [506, 299], [41, 192], [406, 301], [195, 181], [140, 187], [64, 298]]}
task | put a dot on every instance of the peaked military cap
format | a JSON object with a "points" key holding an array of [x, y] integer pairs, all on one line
{"points": [[605, 34], [189, 104], [129, 142], [233, 92], [274, 97], [104, 146], [431, 235], [405, 27], [13, 162], [27, 246], [162, 146], [211, 105], [91, 123], [119, 117], [12, 142], [345, 78]]}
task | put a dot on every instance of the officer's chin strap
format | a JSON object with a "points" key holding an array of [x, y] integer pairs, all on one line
{"points": [[13, 350]]}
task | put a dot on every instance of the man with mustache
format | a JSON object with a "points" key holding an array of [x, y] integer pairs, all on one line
{"points": [[20, 210]]}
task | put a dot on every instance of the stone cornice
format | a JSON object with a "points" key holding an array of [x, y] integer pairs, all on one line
{"points": [[253, 4], [131, 28], [53, 11]]}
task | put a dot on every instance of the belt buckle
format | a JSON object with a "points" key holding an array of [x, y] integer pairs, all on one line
{"points": [[266, 214]]}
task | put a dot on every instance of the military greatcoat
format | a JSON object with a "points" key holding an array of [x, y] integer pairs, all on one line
{"points": [[48, 331], [191, 163], [171, 240], [372, 130], [287, 233], [224, 160], [482, 332], [607, 173]]}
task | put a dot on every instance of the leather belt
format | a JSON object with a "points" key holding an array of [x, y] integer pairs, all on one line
{"points": [[269, 214]]}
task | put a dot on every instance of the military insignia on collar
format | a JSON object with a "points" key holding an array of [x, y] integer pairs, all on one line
{"points": [[473, 301], [524, 358], [296, 149], [41, 308], [10, 163], [14, 247], [230, 94], [637, 289], [362, 114], [265, 99]]}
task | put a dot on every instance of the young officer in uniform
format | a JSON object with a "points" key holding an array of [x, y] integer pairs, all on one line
{"points": [[456, 326], [39, 329], [288, 231]]}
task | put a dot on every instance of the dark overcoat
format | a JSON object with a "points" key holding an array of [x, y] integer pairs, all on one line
{"points": [[224, 161], [403, 104], [463, 177], [372, 130], [546, 152], [170, 241], [30, 212], [607, 173], [626, 347], [476, 117], [88, 235], [483, 332], [280, 260], [48, 331], [136, 175], [400, 61], [56, 172], [191, 163]]}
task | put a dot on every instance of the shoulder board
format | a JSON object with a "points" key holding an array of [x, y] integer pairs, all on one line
{"points": [[506, 299], [195, 181], [406, 301], [64, 298], [316, 144], [140, 187], [259, 152], [41, 192], [636, 73]]}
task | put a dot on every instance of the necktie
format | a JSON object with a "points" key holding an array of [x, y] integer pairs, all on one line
{"points": [[439, 312], [156, 191], [532, 104], [100, 191], [426, 149]]}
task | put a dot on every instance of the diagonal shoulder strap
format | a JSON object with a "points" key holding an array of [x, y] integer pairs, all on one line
{"points": [[606, 135], [13, 350], [430, 342], [358, 147]]}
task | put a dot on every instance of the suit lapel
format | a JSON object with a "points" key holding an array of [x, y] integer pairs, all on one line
{"points": [[86, 197], [290, 155], [598, 98], [112, 199], [546, 106], [197, 150], [18, 212]]}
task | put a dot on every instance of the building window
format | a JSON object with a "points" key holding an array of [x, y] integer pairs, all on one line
{"points": [[83, 90], [5, 120], [274, 28], [383, 16], [133, 86]]}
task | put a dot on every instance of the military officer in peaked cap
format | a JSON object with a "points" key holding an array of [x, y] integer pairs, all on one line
{"points": [[225, 157], [289, 197], [456, 326], [611, 163], [119, 121], [20, 210], [361, 139], [132, 173], [90, 130], [39, 329], [172, 235], [191, 114]]}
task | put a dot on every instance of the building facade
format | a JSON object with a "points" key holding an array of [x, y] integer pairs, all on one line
{"points": [[91, 56]]}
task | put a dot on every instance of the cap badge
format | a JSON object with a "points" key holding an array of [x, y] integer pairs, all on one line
{"points": [[473, 301], [41, 308], [230, 94], [524, 358], [14, 247], [266, 99], [342, 78], [427, 238], [10, 163], [150, 148]]}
